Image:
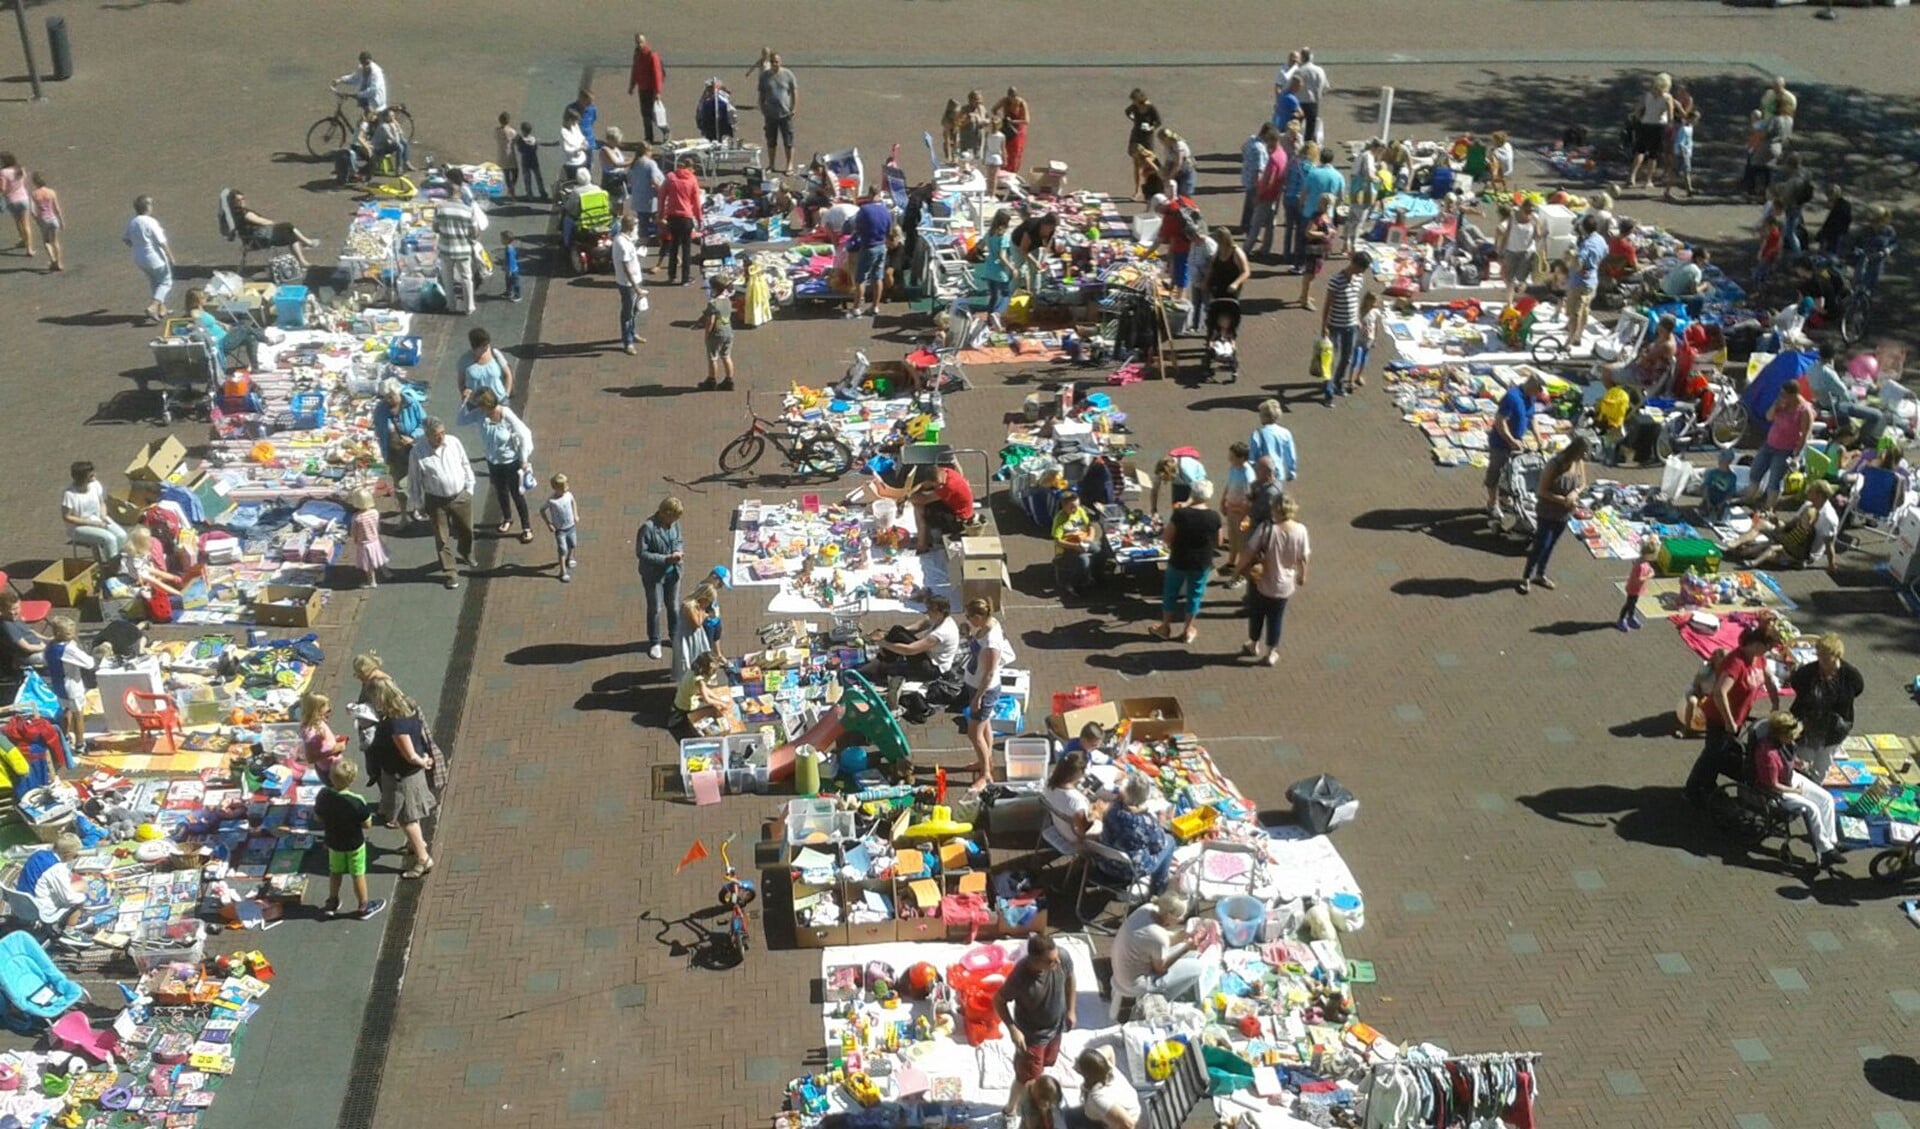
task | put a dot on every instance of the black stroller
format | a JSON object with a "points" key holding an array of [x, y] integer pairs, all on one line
{"points": [[1223, 340]]}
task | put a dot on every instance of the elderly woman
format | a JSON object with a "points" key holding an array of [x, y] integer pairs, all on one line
{"points": [[1823, 695], [401, 758], [1275, 557], [614, 163], [1776, 770], [1152, 952], [399, 421], [1136, 833], [257, 230], [658, 548], [508, 444]]}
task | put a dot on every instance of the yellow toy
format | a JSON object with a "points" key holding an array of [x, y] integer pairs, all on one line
{"points": [[939, 825], [1163, 1058], [862, 1089]]}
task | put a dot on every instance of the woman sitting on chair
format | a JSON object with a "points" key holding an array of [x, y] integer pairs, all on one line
{"points": [[1135, 832], [256, 230]]}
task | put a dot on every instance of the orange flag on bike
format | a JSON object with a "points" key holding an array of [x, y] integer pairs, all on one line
{"points": [[694, 854]]}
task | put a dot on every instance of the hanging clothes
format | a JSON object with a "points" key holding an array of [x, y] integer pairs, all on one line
{"points": [[757, 299], [1519, 1115]]}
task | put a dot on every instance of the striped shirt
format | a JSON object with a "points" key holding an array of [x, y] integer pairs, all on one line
{"points": [[1343, 299], [453, 225]]}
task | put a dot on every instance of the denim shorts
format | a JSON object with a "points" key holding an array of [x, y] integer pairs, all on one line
{"points": [[872, 264]]}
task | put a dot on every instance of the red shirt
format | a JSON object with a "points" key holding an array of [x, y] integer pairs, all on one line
{"points": [[955, 493], [680, 195], [1172, 232], [1770, 767], [1749, 679], [1273, 178], [648, 74]]}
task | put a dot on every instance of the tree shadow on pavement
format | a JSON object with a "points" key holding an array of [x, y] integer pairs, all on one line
{"points": [[1864, 140], [1897, 1076]]}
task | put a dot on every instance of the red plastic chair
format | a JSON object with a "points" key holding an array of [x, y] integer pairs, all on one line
{"points": [[158, 724]]}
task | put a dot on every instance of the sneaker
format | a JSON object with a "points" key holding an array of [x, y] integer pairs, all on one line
{"points": [[1636, 623], [1621, 626], [1833, 857], [572, 564], [566, 578], [1272, 658], [331, 908], [452, 582], [653, 652], [630, 351], [1912, 909], [1250, 648], [1525, 587], [371, 909], [1546, 582]]}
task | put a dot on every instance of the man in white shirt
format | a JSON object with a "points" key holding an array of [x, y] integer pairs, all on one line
{"points": [[152, 254], [1313, 89], [441, 476], [1152, 952], [369, 84], [628, 266]]}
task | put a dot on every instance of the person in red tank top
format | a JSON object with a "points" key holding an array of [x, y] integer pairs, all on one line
{"points": [[942, 503]]}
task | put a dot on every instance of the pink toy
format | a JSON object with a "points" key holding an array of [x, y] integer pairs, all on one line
{"points": [[1865, 366], [74, 1032]]}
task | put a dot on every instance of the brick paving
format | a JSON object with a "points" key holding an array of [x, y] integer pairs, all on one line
{"points": [[1534, 881]]}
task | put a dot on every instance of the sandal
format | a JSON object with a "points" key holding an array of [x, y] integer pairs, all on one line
{"points": [[503, 527], [1160, 631], [1192, 634], [417, 871], [526, 535]]}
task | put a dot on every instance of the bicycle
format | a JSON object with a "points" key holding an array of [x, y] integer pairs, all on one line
{"points": [[736, 893], [813, 449], [1855, 314], [329, 135]]}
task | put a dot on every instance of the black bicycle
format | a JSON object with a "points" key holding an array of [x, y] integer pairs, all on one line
{"points": [[329, 135], [811, 449]]}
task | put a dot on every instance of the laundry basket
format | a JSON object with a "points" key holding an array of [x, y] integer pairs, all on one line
{"points": [[1241, 918]]}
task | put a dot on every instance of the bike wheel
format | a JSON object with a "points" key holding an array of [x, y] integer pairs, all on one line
{"points": [[1895, 865], [326, 137], [1729, 424], [404, 120], [1549, 350], [742, 453], [1853, 321], [824, 456]]}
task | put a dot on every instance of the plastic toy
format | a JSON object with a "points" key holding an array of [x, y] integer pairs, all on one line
{"points": [[862, 1089], [922, 979]]}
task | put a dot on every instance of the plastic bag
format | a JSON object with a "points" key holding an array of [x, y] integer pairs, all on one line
{"points": [[36, 697], [1321, 803], [1321, 366]]}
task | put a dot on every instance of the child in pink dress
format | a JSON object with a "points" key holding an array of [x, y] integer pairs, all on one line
{"points": [[369, 555], [320, 746], [1637, 577]]}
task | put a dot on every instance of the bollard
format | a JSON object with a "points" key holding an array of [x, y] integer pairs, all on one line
{"points": [[60, 48]]}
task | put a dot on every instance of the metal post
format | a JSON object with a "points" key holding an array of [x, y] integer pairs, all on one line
{"points": [[26, 45]]}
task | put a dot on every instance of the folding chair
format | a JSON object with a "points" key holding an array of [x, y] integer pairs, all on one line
{"points": [[1092, 877], [1874, 504]]}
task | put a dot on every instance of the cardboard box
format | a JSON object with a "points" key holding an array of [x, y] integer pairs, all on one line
{"points": [[1141, 712], [157, 460], [983, 580], [67, 581], [286, 605], [985, 547], [1068, 725], [873, 932], [818, 937], [1051, 178]]}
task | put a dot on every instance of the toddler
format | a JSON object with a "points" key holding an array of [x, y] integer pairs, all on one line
{"points": [[1637, 577], [1500, 160], [1682, 169], [510, 265], [369, 553], [562, 515], [1771, 240], [1370, 319], [67, 662]]}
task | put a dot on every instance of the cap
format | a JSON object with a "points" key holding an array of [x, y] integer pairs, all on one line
{"points": [[725, 574]]}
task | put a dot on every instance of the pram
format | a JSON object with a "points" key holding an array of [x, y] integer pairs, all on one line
{"points": [[1520, 494], [1223, 340], [714, 114]]}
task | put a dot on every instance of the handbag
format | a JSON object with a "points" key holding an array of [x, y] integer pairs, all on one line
{"points": [[436, 760], [970, 910], [528, 482]]}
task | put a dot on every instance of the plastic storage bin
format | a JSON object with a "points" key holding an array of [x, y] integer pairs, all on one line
{"points": [[1240, 919], [290, 307], [816, 821], [701, 754], [1023, 761], [309, 410]]}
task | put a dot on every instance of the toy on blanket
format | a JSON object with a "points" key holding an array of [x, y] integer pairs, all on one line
{"points": [[1738, 589]]}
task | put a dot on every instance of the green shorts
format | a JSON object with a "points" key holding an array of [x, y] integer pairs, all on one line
{"points": [[347, 862]]}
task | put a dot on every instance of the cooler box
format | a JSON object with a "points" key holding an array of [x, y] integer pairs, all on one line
{"points": [[1678, 554], [290, 307]]}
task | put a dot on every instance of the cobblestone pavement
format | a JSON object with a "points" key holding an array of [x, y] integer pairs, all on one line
{"points": [[1534, 881]]}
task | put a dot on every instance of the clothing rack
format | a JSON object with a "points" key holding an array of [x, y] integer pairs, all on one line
{"points": [[1489, 1056]]}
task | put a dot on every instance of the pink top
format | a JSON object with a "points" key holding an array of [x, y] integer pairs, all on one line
{"points": [[1637, 577], [13, 184], [1789, 429], [365, 526], [45, 205]]}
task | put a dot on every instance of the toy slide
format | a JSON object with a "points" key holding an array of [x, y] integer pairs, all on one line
{"points": [[824, 735]]}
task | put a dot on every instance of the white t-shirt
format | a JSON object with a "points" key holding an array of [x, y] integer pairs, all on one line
{"points": [[1141, 941], [560, 510], [1313, 83], [992, 639], [1521, 234], [1826, 526], [1116, 1093], [74, 661], [89, 504], [149, 241], [1063, 805], [1365, 172], [627, 265], [573, 145], [836, 218], [55, 893], [946, 644], [994, 152]]}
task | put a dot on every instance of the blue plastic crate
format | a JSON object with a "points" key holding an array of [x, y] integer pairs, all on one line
{"points": [[290, 307], [309, 410]]}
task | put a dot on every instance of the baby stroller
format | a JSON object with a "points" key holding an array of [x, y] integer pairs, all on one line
{"points": [[1520, 494], [714, 114], [1223, 340]]}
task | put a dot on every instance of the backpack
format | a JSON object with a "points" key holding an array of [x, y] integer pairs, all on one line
{"points": [[1192, 222]]}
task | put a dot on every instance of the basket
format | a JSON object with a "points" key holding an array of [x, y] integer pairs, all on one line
{"points": [[1240, 919]]}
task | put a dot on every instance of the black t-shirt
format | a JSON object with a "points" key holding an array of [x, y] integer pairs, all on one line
{"points": [[1145, 120], [13, 634], [1030, 237], [1195, 534], [384, 752], [344, 817]]}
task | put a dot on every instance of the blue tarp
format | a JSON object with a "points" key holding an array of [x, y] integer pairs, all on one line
{"points": [[1765, 388]]}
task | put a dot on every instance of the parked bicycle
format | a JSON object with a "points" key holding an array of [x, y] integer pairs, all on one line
{"points": [[329, 135], [810, 449]]}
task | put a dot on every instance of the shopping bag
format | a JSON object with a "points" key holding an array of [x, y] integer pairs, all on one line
{"points": [[36, 696], [660, 114], [1321, 366], [1677, 477], [528, 481], [1321, 803]]}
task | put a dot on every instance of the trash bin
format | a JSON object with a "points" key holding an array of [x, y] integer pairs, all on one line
{"points": [[62, 49]]}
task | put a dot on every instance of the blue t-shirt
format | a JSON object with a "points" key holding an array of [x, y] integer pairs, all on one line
{"points": [[1285, 109], [991, 269], [871, 224], [1321, 181], [1587, 262], [1517, 409], [1442, 183], [513, 260]]}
